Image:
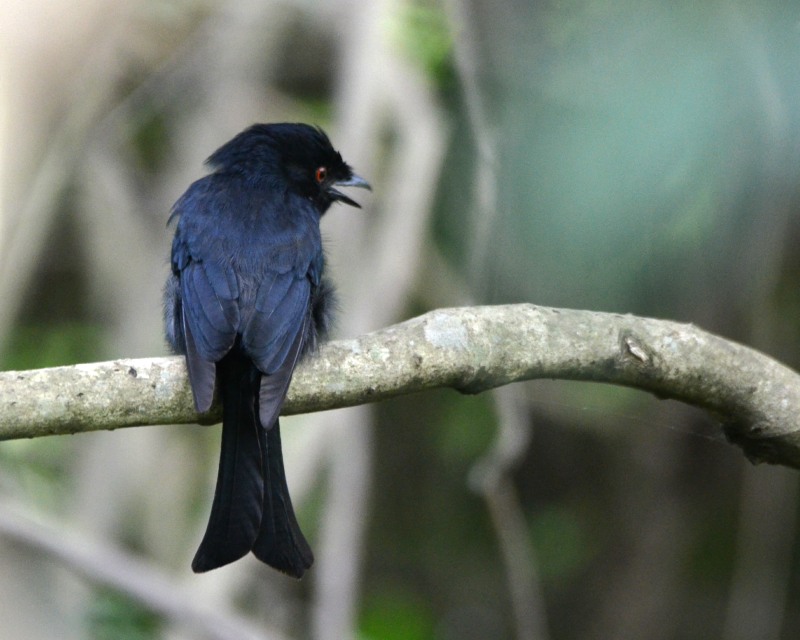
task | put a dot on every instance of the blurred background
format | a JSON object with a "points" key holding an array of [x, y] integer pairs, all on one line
{"points": [[636, 157]]}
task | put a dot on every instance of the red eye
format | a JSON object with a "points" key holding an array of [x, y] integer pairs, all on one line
{"points": [[321, 174]]}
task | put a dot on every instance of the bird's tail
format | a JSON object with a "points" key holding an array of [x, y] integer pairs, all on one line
{"points": [[238, 498], [280, 543], [252, 510]]}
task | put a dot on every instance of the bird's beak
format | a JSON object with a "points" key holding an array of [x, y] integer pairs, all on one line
{"points": [[353, 181]]}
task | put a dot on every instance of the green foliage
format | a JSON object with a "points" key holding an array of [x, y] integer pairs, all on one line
{"points": [[431, 546], [114, 617], [423, 33], [395, 614], [38, 468], [34, 346], [561, 542], [150, 139], [465, 427], [319, 112], [713, 551]]}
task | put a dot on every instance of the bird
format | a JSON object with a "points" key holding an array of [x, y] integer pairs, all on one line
{"points": [[247, 297]]}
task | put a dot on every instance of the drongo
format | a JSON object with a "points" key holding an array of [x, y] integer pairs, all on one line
{"points": [[246, 299]]}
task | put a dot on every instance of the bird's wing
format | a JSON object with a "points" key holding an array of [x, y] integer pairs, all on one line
{"points": [[274, 335], [202, 373], [210, 314]]}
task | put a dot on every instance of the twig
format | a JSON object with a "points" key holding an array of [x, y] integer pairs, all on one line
{"points": [[375, 255], [112, 567], [485, 212], [491, 477], [492, 474]]}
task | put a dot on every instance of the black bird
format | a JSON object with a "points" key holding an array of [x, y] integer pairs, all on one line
{"points": [[246, 299]]}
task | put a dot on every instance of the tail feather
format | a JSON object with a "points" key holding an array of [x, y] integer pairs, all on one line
{"points": [[280, 543], [252, 510], [235, 518]]}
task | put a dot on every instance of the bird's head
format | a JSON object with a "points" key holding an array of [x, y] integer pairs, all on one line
{"points": [[302, 154]]}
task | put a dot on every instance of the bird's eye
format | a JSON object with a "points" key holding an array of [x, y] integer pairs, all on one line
{"points": [[320, 174]]}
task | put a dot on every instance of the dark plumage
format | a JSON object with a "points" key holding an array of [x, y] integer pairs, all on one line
{"points": [[246, 299]]}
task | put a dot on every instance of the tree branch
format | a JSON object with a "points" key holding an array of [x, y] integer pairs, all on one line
{"points": [[107, 565], [470, 349]]}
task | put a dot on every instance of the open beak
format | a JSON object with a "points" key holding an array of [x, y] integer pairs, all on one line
{"points": [[353, 181]]}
